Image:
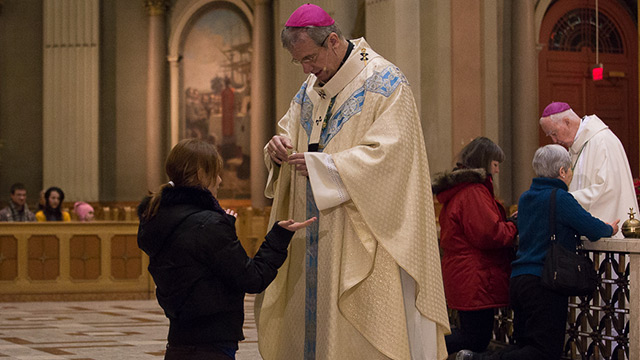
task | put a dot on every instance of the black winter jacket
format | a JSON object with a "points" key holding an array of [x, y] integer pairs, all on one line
{"points": [[200, 269]]}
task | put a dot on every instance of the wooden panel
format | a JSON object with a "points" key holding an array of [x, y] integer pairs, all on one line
{"points": [[44, 257], [8, 257], [85, 257], [126, 257], [565, 67]]}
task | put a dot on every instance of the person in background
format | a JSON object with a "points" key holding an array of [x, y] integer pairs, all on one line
{"points": [[84, 211], [42, 202], [477, 244], [54, 196], [18, 210], [540, 314], [200, 269], [602, 181]]}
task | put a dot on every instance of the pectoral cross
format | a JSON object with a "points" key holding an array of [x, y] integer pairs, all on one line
{"points": [[364, 56]]}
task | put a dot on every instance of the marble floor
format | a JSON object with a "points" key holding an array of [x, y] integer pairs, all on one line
{"points": [[92, 330]]}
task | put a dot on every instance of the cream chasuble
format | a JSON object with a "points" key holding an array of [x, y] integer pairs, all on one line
{"points": [[602, 181], [364, 281]]}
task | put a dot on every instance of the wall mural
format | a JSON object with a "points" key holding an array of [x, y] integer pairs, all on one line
{"points": [[216, 67]]}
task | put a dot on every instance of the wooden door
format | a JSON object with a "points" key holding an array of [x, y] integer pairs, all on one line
{"points": [[568, 38]]}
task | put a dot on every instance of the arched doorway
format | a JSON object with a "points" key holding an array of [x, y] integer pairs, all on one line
{"points": [[568, 38]]}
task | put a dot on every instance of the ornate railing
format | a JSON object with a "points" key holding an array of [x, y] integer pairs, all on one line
{"points": [[72, 261], [89, 261], [604, 325]]}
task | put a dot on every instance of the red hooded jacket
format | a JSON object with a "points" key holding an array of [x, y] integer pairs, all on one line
{"points": [[476, 241]]}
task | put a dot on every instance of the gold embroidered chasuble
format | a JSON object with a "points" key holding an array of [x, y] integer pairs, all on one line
{"points": [[366, 244]]}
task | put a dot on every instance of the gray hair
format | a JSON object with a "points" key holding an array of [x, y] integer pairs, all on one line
{"points": [[290, 35], [548, 160]]}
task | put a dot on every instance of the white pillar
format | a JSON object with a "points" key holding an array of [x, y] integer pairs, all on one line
{"points": [[70, 121], [262, 98], [155, 92], [174, 99], [525, 95]]}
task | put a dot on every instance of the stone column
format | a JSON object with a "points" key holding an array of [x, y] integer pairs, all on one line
{"points": [[262, 97], [155, 92], [70, 121], [525, 95], [174, 99]]}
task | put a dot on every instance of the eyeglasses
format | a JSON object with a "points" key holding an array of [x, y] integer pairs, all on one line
{"points": [[310, 58]]}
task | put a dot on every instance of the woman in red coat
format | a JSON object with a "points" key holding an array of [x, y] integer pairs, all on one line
{"points": [[477, 244]]}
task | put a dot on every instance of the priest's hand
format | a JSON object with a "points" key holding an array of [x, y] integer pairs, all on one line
{"points": [[300, 163], [277, 148], [293, 226]]}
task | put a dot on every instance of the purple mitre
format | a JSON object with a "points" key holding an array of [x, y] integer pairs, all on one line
{"points": [[309, 15], [555, 108]]}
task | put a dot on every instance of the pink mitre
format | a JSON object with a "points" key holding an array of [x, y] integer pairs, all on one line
{"points": [[309, 15], [555, 108]]}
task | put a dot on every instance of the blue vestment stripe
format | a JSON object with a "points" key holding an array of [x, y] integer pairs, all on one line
{"points": [[311, 277]]}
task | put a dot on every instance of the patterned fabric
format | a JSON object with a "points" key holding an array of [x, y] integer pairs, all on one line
{"points": [[388, 225], [10, 213], [384, 82]]}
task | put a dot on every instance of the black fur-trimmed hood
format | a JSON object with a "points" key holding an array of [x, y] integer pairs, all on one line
{"points": [[450, 179], [176, 204], [172, 196]]}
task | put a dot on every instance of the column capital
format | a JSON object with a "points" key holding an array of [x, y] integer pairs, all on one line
{"points": [[155, 7]]}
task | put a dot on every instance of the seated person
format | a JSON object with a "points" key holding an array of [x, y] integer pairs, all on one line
{"points": [[84, 211], [18, 210], [54, 196], [41, 201]]}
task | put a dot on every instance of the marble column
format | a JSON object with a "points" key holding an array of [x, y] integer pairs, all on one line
{"points": [[174, 98], [70, 121], [525, 95], [262, 97], [155, 142]]}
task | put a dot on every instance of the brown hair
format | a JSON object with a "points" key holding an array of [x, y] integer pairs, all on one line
{"points": [[479, 153], [193, 163]]}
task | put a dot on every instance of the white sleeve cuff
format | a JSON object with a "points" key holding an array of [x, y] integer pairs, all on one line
{"points": [[326, 184]]}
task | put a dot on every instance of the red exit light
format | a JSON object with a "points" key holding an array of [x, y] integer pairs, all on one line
{"points": [[597, 72]]}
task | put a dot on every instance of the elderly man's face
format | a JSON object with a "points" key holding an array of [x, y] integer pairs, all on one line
{"points": [[318, 60], [19, 197], [560, 132]]}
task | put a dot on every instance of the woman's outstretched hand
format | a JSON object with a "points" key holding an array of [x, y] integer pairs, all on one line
{"points": [[294, 226]]}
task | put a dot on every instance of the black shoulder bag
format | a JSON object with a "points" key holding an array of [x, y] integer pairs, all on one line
{"points": [[565, 271]]}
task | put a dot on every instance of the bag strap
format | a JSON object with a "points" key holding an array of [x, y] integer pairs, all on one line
{"points": [[552, 214]]}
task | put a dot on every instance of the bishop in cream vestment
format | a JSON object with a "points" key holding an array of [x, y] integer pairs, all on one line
{"points": [[364, 281], [602, 181]]}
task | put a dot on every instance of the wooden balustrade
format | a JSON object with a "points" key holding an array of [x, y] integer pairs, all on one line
{"points": [[72, 261], [89, 260]]}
